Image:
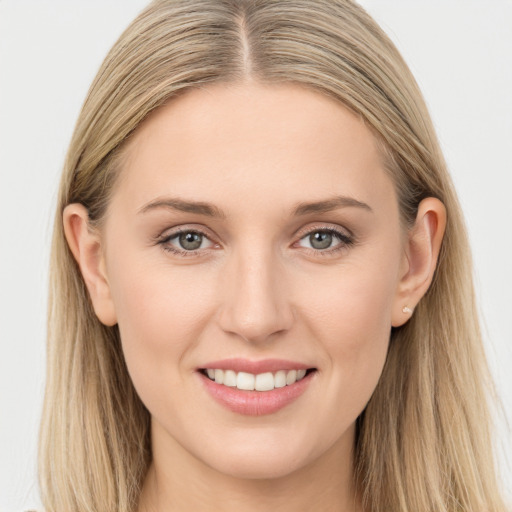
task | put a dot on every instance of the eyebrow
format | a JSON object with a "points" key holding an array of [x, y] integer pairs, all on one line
{"points": [[329, 205], [170, 203], [210, 210]]}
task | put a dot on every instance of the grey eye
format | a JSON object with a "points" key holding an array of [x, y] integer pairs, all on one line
{"points": [[323, 239], [186, 241], [190, 241], [320, 239]]}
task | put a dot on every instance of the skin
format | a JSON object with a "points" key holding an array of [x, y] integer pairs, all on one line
{"points": [[256, 289]]}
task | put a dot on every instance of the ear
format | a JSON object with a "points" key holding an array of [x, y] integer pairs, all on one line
{"points": [[85, 244], [420, 258]]}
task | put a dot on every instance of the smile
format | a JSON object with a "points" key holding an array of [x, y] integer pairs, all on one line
{"points": [[260, 382], [256, 388]]}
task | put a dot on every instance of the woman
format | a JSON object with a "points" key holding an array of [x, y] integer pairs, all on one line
{"points": [[262, 292]]}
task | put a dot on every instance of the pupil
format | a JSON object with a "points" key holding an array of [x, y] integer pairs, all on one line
{"points": [[191, 241], [320, 239]]}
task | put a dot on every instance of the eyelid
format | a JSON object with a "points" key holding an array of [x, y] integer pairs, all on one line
{"points": [[342, 231], [171, 232]]}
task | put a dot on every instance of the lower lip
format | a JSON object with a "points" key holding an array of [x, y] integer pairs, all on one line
{"points": [[256, 403]]}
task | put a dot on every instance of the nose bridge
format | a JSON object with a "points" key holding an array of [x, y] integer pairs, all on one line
{"points": [[254, 301]]}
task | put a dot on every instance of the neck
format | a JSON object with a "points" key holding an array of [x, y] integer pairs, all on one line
{"points": [[178, 481]]}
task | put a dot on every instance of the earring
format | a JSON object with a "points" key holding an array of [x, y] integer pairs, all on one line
{"points": [[407, 310]]}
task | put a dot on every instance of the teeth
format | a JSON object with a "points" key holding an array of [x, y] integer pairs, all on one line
{"points": [[291, 377], [280, 379], [245, 381], [264, 382], [229, 378], [261, 382]]}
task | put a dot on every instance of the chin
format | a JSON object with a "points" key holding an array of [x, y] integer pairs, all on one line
{"points": [[259, 468], [271, 459]]}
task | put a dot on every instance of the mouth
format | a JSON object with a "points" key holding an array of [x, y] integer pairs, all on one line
{"points": [[266, 381], [266, 391]]}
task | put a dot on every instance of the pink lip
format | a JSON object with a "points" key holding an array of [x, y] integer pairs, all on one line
{"points": [[264, 365], [255, 403]]}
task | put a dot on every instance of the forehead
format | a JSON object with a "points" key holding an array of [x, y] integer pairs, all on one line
{"points": [[261, 142]]}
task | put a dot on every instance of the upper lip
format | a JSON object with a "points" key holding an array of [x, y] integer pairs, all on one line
{"points": [[262, 366]]}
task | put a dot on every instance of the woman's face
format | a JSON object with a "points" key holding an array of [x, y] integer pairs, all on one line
{"points": [[253, 224]]}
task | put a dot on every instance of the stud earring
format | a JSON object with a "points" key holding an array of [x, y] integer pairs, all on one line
{"points": [[407, 310]]}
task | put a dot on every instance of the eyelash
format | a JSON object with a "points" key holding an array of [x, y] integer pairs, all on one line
{"points": [[345, 241], [164, 242]]}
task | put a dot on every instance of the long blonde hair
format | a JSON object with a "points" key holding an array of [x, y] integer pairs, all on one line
{"points": [[423, 442]]}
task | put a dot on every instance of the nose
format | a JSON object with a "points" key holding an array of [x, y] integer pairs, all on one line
{"points": [[255, 304]]}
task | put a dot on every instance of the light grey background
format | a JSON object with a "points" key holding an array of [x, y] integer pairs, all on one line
{"points": [[461, 54]]}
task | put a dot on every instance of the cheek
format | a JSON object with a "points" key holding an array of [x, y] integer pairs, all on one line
{"points": [[352, 304], [161, 312], [352, 322]]}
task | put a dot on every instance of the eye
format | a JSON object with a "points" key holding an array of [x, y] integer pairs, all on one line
{"points": [[326, 240], [186, 241], [190, 241]]}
